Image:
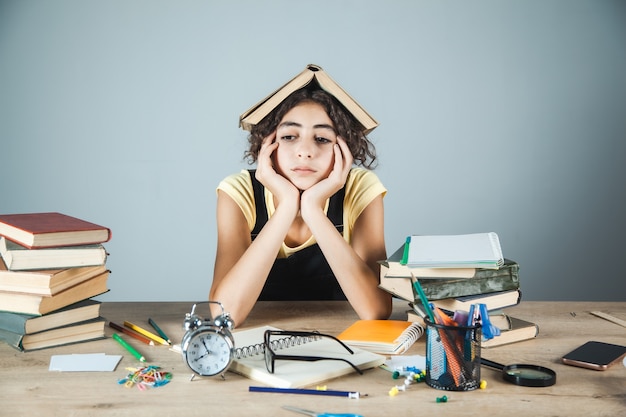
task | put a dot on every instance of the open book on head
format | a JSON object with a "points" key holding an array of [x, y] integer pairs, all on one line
{"points": [[249, 359], [474, 250]]}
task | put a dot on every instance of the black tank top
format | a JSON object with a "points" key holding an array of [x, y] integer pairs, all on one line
{"points": [[305, 275]]}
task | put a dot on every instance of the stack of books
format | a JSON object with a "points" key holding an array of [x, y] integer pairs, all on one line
{"points": [[51, 267], [456, 272]]}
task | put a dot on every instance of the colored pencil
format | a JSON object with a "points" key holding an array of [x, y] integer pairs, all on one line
{"points": [[159, 331], [131, 333], [150, 335], [129, 348]]}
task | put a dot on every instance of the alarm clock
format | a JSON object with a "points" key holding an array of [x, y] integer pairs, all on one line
{"points": [[208, 344]]}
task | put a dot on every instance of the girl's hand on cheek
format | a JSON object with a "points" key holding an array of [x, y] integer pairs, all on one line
{"points": [[317, 195], [278, 185]]}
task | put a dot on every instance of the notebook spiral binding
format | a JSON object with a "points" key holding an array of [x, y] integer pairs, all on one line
{"points": [[411, 334], [277, 344]]}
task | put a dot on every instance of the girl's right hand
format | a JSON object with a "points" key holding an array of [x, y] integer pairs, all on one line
{"points": [[278, 185]]}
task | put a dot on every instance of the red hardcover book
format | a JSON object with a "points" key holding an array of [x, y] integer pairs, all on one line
{"points": [[46, 230]]}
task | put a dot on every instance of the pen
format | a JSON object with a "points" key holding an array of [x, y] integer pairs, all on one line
{"points": [[420, 292], [129, 348], [159, 331], [157, 339], [332, 393], [131, 333]]}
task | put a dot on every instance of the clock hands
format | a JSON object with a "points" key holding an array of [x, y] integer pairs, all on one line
{"points": [[208, 351]]}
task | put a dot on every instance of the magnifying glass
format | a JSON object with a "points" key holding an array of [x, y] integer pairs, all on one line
{"points": [[524, 375]]}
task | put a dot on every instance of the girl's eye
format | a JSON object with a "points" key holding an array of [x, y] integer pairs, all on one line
{"points": [[287, 137], [320, 139]]}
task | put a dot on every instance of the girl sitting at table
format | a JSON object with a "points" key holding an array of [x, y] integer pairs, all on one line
{"points": [[306, 224]]}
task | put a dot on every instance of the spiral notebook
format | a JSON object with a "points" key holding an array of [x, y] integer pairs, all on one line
{"points": [[249, 359], [388, 337]]}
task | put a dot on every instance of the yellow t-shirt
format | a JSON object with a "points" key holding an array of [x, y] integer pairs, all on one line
{"points": [[362, 186]]}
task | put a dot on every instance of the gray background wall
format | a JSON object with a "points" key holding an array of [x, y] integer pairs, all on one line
{"points": [[504, 116]]}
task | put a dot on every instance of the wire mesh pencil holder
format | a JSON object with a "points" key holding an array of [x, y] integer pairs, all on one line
{"points": [[453, 356]]}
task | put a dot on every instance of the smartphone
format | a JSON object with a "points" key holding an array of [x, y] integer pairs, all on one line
{"points": [[595, 355]]}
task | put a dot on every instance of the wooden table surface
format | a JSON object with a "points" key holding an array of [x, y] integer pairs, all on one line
{"points": [[27, 387]]}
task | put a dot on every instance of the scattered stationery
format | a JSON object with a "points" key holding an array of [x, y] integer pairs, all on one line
{"points": [[249, 360], [387, 337], [89, 362], [406, 361], [40, 230], [150, 335], [475, 250]]}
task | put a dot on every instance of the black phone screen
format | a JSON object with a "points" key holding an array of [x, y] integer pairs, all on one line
{"points": [[595, 355]]}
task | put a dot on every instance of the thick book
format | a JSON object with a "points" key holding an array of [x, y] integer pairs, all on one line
{"points": [[74, 333], [40, 305], [493, 301], [315, 76], [396, 267], [474, 250], [387, 337], [250, 360], [46, 281], [20, 258], [485, 281], [512, 329], [29, 323], [40, 230]]}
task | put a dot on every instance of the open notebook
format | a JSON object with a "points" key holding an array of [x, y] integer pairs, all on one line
{"points": [[250, 360]]}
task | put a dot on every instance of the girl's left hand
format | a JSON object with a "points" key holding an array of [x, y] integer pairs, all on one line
{"points": [[317, 195]]}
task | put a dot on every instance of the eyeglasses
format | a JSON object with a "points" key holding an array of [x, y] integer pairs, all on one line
{"points": [[296, 338]]}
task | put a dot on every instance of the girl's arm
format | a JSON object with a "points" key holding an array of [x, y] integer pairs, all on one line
{"points": [[355, 266], [242, 265]]}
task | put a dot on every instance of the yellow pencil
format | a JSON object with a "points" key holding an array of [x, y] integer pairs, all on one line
{"points": [[146, 333]]}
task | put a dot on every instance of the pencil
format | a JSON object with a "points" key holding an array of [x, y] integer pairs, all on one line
{"points": [[129, 348], [157, 339], [159, 331], [332, 393], [131, 333]]}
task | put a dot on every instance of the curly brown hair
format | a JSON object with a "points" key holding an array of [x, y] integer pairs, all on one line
{"points": [[347, 126]]}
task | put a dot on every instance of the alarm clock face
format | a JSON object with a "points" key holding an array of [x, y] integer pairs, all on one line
{"points": [[208, 352]]}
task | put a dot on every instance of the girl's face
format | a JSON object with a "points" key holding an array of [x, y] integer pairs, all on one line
{"points": [[306, 139]]}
